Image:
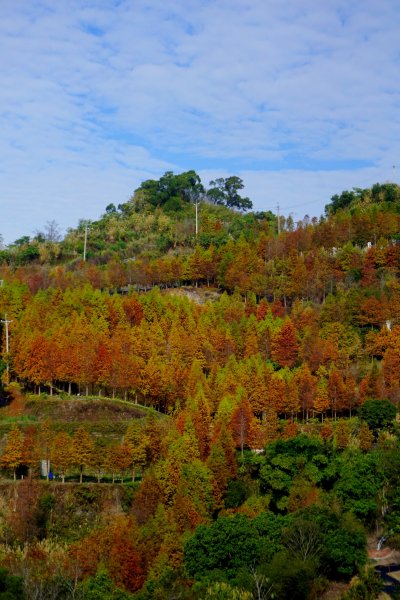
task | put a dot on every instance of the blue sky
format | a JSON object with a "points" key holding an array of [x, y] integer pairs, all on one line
{"points": [[299, 98]]}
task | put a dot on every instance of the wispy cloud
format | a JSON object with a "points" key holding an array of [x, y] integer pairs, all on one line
{"points": [[300, 99]]}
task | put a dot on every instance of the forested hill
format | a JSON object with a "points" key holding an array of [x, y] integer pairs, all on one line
{"points": [[252, 381], [318, 292], [151, 240]]}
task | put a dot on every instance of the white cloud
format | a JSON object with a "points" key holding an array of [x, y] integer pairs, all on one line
{"points": [[98, 95]]}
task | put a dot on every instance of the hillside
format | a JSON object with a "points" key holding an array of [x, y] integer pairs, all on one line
{"points": [[235, 391]]}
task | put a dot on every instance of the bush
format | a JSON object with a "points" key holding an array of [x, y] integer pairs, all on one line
{"points": [[365, 587], [11, 587]]}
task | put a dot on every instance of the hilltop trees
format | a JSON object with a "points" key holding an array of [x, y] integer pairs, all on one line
{"points": [[170, 191], [225, 190], [379, 193]]}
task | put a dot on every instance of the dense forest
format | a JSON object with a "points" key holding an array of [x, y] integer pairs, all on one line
{"points": [[200, 401]]}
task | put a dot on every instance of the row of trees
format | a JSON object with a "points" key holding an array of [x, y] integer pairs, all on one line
{"points": [[141, 444], [62, 454], [162, 349], [263, 267]]}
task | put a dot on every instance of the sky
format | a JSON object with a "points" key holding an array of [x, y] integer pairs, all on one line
{"points": [[299, 98]]}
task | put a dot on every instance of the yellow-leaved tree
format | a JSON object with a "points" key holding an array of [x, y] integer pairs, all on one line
{"points": [[13, 452]]}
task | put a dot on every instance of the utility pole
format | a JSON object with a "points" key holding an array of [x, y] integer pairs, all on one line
{"points": [[279, 220], [194, 196], [6, 323], [85, 242]]}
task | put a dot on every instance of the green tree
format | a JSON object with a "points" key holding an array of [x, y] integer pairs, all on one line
{"points": [[358, 483], [171, 190], [334, 543], [291, 577], [101, 587], [344, 542], [378, 414], [225, 190], [223, 549], [11, 587]]}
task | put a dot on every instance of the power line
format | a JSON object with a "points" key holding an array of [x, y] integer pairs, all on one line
{"points": [[299, 205]]}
